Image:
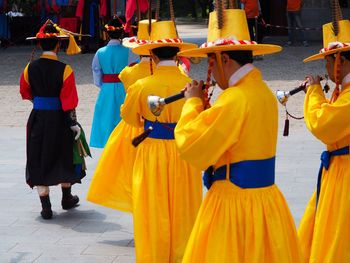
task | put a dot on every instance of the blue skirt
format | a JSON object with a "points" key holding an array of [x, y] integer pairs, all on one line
{"points": [[107, 113]]}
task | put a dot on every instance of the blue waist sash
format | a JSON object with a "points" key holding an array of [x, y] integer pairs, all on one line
{"points": [[245, 174], [325, 162], [47, 103], [161, 130]]}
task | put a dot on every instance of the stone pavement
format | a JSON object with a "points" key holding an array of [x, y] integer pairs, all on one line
{"points": [[91, 233]]}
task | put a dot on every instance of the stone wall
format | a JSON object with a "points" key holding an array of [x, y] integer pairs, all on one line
{"points": [[316, 17]]}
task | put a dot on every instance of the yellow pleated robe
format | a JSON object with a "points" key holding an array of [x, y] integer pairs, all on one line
{"points": [[325, 233], [112, 180], [166, 190], [234, 224]]}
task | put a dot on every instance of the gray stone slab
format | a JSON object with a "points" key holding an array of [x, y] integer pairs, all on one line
{"points": [[44, 258], [52, 249], [109, 247], [19, 257], [125, 259]]}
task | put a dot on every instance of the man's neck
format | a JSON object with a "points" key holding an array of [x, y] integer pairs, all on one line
{"points": [[346, 79], [166, 63], [50, 53]]}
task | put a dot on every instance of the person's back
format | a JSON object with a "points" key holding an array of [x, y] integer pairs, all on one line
{"points": [[293, 5], [46, 76], [107, 63], [162, 84], [160, 176], [50, 85], [111, 185], [166, 190], [113, 58], [131, 74]]}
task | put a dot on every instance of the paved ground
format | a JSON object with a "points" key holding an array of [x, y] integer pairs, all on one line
{"points": [[91, 233]]}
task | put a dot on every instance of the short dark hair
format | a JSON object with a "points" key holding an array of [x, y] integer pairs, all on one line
{"points": [[117, 22], [242, 57], [346, 55], [48, 44], [164, 53]]}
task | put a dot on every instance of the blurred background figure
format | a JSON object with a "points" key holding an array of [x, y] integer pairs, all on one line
{"points": [[294, 20]]}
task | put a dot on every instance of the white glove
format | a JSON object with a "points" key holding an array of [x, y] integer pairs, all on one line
{"points": [[76, 129]]}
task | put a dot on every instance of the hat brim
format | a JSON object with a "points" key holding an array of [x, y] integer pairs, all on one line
{"points": [[146, 48], [59, 37], [323, 55], [258, 49]]}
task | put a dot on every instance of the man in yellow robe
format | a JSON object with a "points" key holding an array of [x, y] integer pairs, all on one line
{"points": [[244, 217], [324, 231], [166, 191]]}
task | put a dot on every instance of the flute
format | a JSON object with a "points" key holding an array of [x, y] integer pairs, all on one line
{"points": [[156, 103], [283, 96]]}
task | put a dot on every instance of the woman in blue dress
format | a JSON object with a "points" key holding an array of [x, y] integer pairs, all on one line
{"points": [[108, 62]]}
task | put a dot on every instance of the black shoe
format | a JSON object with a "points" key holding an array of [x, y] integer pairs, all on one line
{"points": [[68, 200], [46, 212]]}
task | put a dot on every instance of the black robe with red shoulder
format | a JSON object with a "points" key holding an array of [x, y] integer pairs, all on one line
{"points": [[49, 137]]}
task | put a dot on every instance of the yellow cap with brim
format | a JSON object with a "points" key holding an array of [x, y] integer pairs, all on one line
{"points": [[234, 35], [142, 35], [333, 43], [163, 34]]}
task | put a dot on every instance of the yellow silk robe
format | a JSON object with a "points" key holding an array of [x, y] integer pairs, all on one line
{"points": [[112, 180], [166, 190], [235, 224], [325, 234]]}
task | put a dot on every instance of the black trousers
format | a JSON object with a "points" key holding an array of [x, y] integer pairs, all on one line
{"points": [[259, 31]]}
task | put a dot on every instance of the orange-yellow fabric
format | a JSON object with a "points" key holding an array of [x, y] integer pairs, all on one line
{"points": [[325, 233], [112, 180], [24, 87], [251, 8], [235, 224], [166, 190], [293, 5]]}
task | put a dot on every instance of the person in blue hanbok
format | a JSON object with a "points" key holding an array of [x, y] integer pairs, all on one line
{"points": [[108, 62]]}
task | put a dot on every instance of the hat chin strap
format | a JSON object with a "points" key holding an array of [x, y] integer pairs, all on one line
{"points": [[221, 71]]}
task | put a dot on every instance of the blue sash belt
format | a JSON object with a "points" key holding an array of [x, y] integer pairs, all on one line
{"points": [[47, 103], [325, 162], [245, 174], [161, 130]]}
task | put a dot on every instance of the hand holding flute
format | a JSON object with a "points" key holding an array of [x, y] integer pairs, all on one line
{"points": [[194, 89], [283, 96]]}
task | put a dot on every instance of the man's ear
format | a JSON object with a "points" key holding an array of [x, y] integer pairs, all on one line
{"points": [[225, 58], [342, 59]]}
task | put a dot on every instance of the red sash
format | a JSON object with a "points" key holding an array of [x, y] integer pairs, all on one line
{"points": [[110, 78]]}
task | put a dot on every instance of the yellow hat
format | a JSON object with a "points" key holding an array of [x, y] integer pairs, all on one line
{"points": [[60, 33], [163, 34], [234, 35], [142, 36], [333, 43], [49, 30]]}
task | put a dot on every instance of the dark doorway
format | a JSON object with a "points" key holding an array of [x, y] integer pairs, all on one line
{"points": [[274, 13]]}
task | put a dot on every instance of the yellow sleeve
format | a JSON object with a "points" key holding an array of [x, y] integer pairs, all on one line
{"points": [[328, 122], [123, 76], [131, 109], [203, 136]]}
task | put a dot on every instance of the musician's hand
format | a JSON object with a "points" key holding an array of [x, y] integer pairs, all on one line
{"points": [[311, 80], [194, 89]]}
